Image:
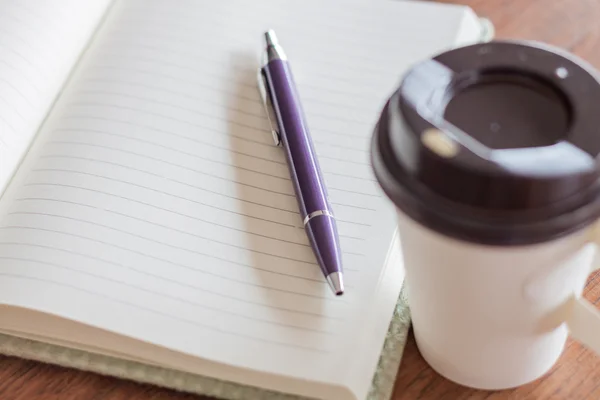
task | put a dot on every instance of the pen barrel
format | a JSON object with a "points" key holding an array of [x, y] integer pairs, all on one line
{"points": [[305, 171], [295, 136]]}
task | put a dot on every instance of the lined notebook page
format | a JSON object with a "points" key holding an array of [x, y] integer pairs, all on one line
{"points": [[40, 42], [155, 194]]}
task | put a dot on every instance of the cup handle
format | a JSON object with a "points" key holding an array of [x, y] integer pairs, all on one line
{"points": [[583, 318], [584, 323]]}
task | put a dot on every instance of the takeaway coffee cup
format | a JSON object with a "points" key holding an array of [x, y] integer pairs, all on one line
{"points": [[490, 154]]}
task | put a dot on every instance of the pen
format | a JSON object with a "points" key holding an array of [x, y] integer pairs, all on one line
{"points": [[290, 131]]}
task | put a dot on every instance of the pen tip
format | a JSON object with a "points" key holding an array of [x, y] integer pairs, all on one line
{"points": [[270, 38], [336, 283]]}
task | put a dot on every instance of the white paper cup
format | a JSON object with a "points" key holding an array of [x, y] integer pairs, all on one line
{"points": [[489, 153], [489, 318]]}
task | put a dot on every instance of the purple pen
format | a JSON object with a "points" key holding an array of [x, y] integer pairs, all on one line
{"points": [[291, 131]]}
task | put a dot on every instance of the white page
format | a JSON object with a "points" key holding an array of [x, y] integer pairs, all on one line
{"points": [[40, 42], [154, 204]]}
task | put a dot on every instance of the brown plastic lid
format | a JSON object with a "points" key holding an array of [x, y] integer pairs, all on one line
{"points": [[494, 143]]}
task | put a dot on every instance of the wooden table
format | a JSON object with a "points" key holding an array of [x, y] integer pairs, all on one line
{"points": [[571, 24]]}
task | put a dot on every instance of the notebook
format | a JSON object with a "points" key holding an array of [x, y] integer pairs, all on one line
{"points": [[148, 227]]}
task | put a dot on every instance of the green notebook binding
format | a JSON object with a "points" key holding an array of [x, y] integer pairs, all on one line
{"points": [[148, 226]]}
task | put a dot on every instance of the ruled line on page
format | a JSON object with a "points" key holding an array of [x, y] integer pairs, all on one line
{"points": [[285, 178], [214, 292], [232, 167], [21, 7], [65, 12], [331, 28], [319, 281], [89, 78], [150, 35], [6, 33], [193, 155], [160, 294], [155, 34], [193, 269], [29, 81], [358, 223], [291, 209], [293, 213], [194, 139], [249, 249], [144, 203], [39, 44], [345, 245], [87, 131], [281, 161], [5, 17], [16, 90], [57, 22], [346, 13], [168, 194], [246, 231], [254, 99], [207, 61], [212, 223], [12, 128], [224, 277], [251, 99], [269, 147], [258, 114], [205, 85], [204, 188], [228, 180], [236, 246], [201, 188], [169, 315], [249, 138], [361, 149], [229, 107], [35, 66], [198, 236], [242, 69], [289, 192], [12, 106], [256, 129]]}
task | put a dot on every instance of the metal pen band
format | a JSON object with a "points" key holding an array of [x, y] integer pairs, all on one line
{"points": [[316, 214]]}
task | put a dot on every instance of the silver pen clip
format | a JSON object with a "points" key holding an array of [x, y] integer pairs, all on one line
{"points": [[266, 98]]}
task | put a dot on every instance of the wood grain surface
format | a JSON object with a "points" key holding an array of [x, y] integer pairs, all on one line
{"points": [[572, 24]]}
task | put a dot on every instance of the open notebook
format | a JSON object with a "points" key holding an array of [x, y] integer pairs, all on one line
{"points": [[148, 227]]}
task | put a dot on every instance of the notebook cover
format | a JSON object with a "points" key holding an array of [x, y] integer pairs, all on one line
{"points": [[381, 387]]}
